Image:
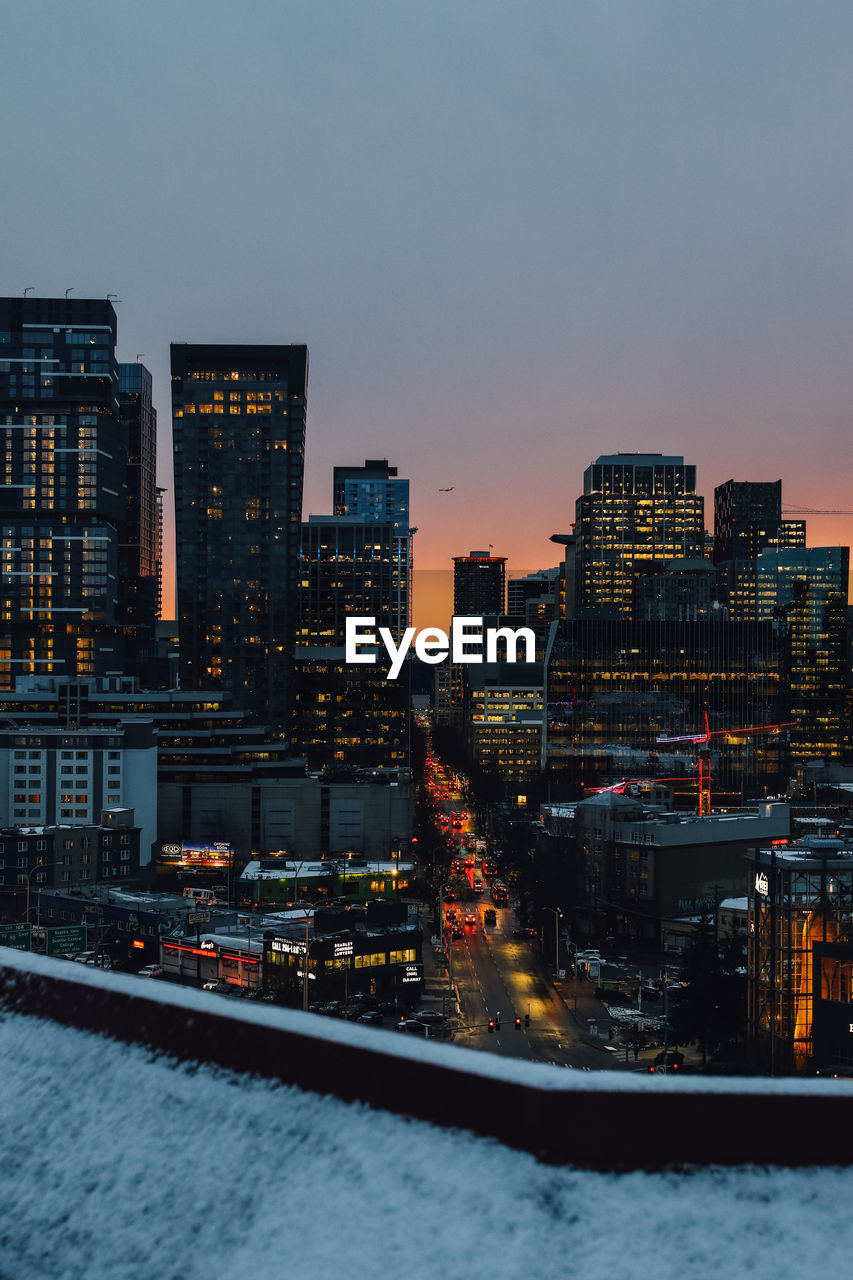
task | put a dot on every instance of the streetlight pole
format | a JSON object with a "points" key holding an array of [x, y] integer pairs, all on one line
{"points": [[558, 915], [305, 970], [40, 866]]}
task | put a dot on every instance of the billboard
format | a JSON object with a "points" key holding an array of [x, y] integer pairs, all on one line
{"points": [[195, 855]]}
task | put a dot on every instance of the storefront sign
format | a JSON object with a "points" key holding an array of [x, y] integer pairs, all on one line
{"points": [[762, 884], [288, 946], [413, 973], [343, 948]]}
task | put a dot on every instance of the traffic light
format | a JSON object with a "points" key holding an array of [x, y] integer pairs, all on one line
{"points": [[527, 1019], [518, 1024], [491, 1026], [497, 1022]]}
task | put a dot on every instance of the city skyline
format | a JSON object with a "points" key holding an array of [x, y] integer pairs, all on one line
{"points": [[509, 245]]}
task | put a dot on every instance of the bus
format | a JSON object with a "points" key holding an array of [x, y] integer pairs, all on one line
{"points": [[500, 893]]}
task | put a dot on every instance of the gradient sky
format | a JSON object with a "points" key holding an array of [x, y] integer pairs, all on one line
{"points": [[513, 236]]}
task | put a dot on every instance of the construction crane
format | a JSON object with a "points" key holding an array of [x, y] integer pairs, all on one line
{"points": [[701, 740], [814, 511]]}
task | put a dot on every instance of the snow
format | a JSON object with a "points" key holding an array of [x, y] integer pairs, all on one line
{"points": [[333, 1032], [124, 1166]]}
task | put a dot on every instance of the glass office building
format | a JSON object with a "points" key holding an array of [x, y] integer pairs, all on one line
{"points": [[239, 444]]}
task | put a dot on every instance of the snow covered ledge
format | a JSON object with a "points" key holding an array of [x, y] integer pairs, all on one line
{"points": [[601, 1120]]}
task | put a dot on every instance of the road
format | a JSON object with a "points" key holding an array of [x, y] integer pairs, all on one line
{"points": [[498, 978]]}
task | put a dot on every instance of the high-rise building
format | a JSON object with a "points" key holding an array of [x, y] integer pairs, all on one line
{"points": [[636, 511], [748, 519], [355, 563], [805, 592], [239, 442], [375, 493], [140, 530], [479, 584], [70, 505], [534, 597]]}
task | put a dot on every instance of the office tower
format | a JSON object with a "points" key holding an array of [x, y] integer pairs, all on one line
{"points": [[616, 686], [140, 530], [375, 493], [748, 519], [63, 500], [805, 593], [239, 441], [479, 584], [636, 511], [679, 591], [533, 598], [351, 713]]}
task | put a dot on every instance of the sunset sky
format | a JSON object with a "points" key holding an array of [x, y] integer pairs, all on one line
{"points": [[513, 236]]}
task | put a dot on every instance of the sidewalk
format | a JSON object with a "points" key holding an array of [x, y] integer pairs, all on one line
{"points": [[578, 995], [436, 988]]}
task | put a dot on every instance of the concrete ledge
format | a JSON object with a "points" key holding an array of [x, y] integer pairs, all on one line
{"points": [[612, 1121]]}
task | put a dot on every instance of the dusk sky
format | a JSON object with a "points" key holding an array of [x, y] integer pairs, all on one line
{"points": [[513, 236]]}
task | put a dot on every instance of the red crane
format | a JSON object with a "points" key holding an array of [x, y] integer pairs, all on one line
{"points": [[702, 738]]}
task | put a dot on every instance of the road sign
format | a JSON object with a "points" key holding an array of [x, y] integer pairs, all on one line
{"points": [[198, 917], [66, 939], [16, 936]]}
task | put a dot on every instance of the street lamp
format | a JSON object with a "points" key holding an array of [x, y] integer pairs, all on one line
{"points": [[558, 915], [40, 866]]}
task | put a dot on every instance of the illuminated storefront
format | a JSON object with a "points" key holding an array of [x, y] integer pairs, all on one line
{"points": [[374, 951], [800, 904]]}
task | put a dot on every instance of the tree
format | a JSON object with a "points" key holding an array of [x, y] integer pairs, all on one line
{"points": [[711, 1008]]}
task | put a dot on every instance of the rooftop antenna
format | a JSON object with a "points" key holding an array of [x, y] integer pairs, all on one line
{"points": [[29, 289], [139, 356], [71, 290], [113, 295]]}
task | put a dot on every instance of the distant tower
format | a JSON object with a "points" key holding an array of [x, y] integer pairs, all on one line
{"points": [[239, 440], [748, 520], [138, 548], [64, 492], [355, 563], [479, 584], [637, 511]]}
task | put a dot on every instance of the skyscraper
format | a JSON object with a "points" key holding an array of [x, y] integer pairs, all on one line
{"points": [[375, 493], [239, 442], [64, 508], [479, 584], [139, 531], [354, 563], [748, 520], [637, 511]]}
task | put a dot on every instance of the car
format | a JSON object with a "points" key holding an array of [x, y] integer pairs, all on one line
{"points": [[84, 957], [524, 933], [490, 916], [372, 1017], [667, 1060], [457, 931], [470, 920], [150, 971], [431, 1017], [478, 886]]}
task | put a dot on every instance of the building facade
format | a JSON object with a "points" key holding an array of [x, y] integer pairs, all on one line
{"points": [[239, 442], [479, 584], [636, 511], [69, 594], [800, 909]]}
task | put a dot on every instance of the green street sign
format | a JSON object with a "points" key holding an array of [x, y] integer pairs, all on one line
{"points": [[66, 939], [16, 936]]}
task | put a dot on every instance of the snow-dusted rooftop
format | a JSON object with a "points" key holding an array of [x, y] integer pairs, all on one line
{"points": [[121, 1165]]}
